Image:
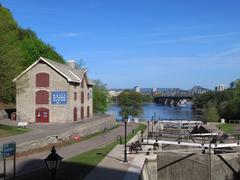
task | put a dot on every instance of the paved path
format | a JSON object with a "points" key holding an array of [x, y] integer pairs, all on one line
{"points": [[35, 161], [43, 130], [113, 167]]}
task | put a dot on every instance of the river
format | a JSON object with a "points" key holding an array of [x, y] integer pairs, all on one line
{"points": [[158, 111]]}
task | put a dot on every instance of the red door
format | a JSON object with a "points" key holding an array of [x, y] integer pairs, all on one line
{"points": [[75, 114], [42, 115]]}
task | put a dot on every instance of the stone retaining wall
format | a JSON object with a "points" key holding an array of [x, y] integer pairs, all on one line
{"points": [[149, 171], [197, 166], [81, 130], [3, 114]]}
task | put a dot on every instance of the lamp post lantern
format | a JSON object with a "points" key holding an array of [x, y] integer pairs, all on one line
{"points": [[52, 162], [125, 120]]}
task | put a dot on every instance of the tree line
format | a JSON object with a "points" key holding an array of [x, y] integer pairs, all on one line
{"points": [[19, 48], [216, 105]]}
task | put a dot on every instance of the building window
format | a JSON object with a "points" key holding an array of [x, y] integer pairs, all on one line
{"points": [[82, 112], [42, 80], [42, 97], [82, 97], [82, 84], [88, 111], [75, 114], [75, 96], [88, 96]]}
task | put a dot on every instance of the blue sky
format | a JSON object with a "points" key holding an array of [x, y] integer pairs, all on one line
{"points": [[149, 43]]}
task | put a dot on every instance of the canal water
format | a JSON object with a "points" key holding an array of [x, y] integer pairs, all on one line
{"points": [[160, 112]]}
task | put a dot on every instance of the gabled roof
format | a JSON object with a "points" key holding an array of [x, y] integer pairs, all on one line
{"points": [[71, 74]]}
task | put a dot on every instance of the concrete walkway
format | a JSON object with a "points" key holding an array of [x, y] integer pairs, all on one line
{"points": [[113, 167], [35, 161]]}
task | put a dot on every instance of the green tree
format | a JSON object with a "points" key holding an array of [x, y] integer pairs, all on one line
{"points": [[227, 102], [210, 113], [18, 49], [130, 103], [100, 95]]}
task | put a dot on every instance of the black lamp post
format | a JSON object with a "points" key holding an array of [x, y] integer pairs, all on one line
{"points": [[52, 162], [125, 120], [148, 130], [152, 125]]}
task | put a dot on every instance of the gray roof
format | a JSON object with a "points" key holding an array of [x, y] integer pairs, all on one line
{"points": [[71, 74]]}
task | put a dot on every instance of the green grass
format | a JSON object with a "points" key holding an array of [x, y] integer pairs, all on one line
{"points": [[227, 128], [79, 166], [98, 133], [6, 130], [141, 127]]}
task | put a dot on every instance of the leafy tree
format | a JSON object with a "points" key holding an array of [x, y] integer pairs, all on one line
{"points": [[210, 113], [99, 97], [18, 49], [147, 98], [227, 102], [130, 103]]}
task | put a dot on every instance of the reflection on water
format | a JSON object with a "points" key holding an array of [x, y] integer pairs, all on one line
{"points": [[158, 111]]}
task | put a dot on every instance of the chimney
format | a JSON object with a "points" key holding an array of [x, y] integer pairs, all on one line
{"points": [[72, 63]]}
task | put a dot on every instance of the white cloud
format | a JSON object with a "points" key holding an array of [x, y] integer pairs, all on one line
{"points": [[230, 52]]}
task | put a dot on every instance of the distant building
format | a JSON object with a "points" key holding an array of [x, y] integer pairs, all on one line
{"points": [[114, 93], [197, 90], [137, 89], [220, 87], [146, 91], [233, 84], [184, 93], [154, 90]]}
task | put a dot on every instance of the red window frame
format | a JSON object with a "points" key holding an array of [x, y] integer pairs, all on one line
{"points": [[42, 80], [42, 97]]}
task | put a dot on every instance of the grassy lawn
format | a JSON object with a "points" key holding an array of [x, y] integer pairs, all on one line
{"points": [[227, 128], [6, 130], [79, 166]]}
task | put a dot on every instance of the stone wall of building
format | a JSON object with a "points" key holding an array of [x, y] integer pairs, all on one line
{"points": [[26, 89]]}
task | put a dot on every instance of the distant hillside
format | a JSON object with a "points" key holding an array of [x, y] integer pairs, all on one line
{"points": [[18, 49]]}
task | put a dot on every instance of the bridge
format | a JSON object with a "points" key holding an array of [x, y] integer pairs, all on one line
{"points": [[172, 100]]}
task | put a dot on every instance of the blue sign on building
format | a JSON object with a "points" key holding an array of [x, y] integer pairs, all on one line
{"points": [[9, 149], [59, 97]]}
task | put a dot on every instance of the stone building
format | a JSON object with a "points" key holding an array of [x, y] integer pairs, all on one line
{"points": [[48, 91], [220, 88]]}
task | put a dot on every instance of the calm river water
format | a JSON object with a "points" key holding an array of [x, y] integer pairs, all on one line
{"points": [[160, 112]]}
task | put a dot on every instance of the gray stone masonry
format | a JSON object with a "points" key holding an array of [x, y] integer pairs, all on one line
{"points": [[196, 166]]}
